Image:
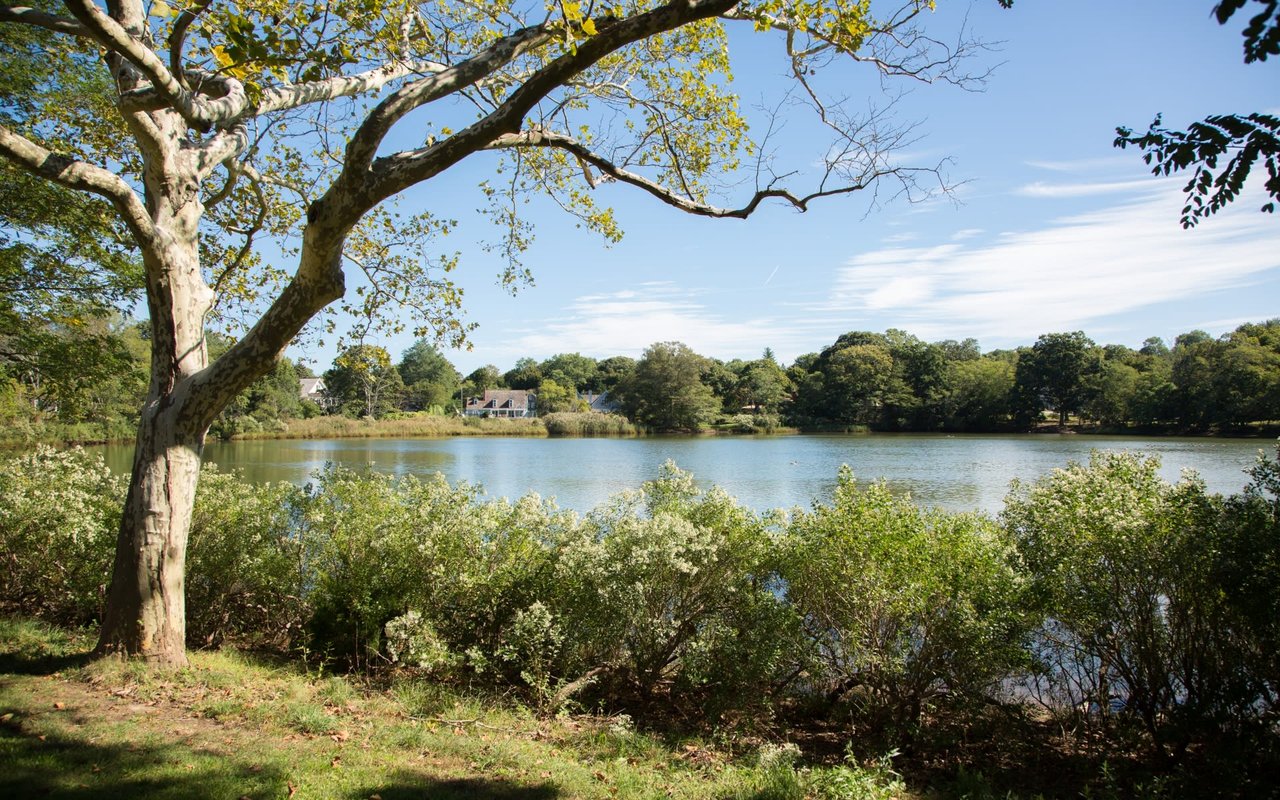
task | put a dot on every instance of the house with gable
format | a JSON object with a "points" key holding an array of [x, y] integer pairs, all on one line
{"points": [[502, 403], [600, 403]]}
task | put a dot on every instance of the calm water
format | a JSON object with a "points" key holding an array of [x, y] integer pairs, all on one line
{"points": [[954, 472]]}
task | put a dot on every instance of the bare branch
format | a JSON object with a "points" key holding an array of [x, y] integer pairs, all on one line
{"points": [[233, 176], [41, 19], [896, 47], [544, 138], [247, 247], [200, 112], [75, 174]]}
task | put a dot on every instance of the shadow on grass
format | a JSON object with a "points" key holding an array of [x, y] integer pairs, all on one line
{"points": [[407, 786], [42, 663], [65, 767]]}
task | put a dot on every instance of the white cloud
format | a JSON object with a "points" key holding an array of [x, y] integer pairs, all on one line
{"points": [[1106, 163], [1068, 275], [966, 233], [1059, 190], [626, 322]]}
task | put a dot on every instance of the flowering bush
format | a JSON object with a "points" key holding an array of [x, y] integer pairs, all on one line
{"points": [[674, 586], [1123, 568], [59, 514], [245, 577]]}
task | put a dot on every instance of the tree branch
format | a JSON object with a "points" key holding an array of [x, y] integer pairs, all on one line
{"points": [[178, 38], [201, 113], [41, 19], [221, 147], [402, 170], [364, 144], [544, 138], [78, 175], [283, 98]]}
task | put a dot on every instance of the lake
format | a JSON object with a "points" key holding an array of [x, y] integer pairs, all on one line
{"points": [[964, 472]]}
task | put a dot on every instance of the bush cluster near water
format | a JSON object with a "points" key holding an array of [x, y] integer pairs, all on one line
{"points": [[1103, 598]]}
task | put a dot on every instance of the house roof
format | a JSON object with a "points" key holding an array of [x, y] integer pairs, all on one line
{"points": [[501, 398], [310, 387]]}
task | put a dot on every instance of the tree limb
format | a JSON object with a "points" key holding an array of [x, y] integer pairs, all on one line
{"points": [[178, 38], [364, 144], [221, 147], [32, 16], [395, 173], [79, 175], [544, 138], [200, 112]]}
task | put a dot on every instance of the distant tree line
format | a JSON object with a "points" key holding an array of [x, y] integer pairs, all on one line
{"points": [[81, 376]]}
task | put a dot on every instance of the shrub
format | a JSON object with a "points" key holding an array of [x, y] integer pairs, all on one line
{"points": [[673, 587], [1247, 568], [904, 606], [356, 547], [59, 515], [245, 576], [1123, 566]]}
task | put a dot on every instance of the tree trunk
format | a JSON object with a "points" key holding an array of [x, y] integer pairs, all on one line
{"points": [[146, 605], [145, 613]]}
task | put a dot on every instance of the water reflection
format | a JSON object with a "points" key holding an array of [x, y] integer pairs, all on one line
{"points": [[953, 472]]}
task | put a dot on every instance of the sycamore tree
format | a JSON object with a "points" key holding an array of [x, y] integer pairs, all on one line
{"points": [[253, 152]]}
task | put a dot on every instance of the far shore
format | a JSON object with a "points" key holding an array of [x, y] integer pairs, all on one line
{"points": [[437, 426]]}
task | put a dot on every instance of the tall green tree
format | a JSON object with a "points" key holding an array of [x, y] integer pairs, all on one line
{"points": [[202, 153], [666, 391], [763, 384], [524, 375], [574, 370], [1053, 375], [429, 378], [363, 382], [610, 372]]}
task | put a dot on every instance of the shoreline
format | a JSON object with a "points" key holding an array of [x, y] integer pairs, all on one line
{"points": [[534, 427]]}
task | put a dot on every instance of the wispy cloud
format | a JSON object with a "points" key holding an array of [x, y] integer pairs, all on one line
{"points": [[1059, 190], [1106, 164], [1067, 275], [626, 322]]}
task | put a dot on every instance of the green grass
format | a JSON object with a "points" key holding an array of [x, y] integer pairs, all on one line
{"points": [[230, 726]]}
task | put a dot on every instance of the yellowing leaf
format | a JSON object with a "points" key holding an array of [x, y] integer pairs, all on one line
{"points": [[220, 55], [589, 27]]}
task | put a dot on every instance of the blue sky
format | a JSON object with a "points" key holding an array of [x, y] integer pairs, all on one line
{"points": [[1051, 228]]}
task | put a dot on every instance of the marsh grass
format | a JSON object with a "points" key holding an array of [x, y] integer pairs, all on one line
{"points": [[405, 426]]}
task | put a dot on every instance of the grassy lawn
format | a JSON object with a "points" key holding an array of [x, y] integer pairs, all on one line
{"points": [[229, 726]]}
